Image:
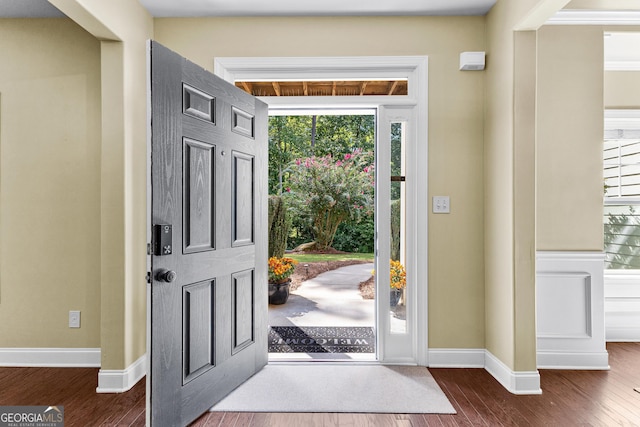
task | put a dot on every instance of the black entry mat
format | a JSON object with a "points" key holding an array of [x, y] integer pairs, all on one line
{"points": [[320, 339]]}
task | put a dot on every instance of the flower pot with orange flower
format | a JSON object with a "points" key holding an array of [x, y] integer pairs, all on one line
{"points": [[280, 270], [398, 282]]}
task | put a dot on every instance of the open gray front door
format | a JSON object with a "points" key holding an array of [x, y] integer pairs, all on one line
{"points": [[208, 292]]}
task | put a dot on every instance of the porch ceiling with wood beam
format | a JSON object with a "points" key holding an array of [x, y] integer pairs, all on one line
{"points": [[324, 88]]}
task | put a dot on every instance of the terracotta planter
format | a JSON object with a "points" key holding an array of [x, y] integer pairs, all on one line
{"points": [[279, 292]]}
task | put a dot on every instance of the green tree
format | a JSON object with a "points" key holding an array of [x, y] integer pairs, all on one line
{"points": [[326, 191], [288, 139], [292, 137]]}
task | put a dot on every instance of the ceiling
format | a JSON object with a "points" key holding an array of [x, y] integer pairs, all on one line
{"points": [[166, 8], [191, 8], [28, 9]]}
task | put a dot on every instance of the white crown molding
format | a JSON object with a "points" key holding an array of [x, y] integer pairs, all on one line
{"points": [[50, 357], [594, 17], [119, 381]]}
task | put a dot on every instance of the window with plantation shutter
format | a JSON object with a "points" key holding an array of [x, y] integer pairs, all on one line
{"points": [[622, 190]]}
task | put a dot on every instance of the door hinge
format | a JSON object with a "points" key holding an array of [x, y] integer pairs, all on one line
{"points": [[148, 248], [148, 277]]}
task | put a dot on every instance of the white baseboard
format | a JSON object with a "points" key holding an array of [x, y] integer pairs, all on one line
{"points": [[622, 334], [569, 360], [525, 382], [456, 358], [119, 381], [50, 357], [517, 382]]}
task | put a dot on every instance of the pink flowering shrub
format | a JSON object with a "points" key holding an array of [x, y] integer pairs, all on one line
{"points": [[327, 191]]}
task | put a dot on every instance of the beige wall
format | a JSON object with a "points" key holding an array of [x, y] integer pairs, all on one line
{"points": [[49, 184], [456, 285], [123, 27], [569, 143], [509, 236], [622, 89], [73, 180]]}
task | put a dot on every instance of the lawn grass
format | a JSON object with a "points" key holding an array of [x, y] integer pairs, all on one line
{"points": [[330, 257]]}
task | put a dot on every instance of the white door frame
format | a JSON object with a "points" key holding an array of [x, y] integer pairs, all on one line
{"points": [[412, 68]]}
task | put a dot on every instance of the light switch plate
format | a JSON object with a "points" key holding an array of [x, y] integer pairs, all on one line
{"points": [[441, 204], [74, 319]]}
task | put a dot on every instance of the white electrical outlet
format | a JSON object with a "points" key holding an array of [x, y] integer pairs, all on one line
{"points": [[441, 204], [74, 319]]}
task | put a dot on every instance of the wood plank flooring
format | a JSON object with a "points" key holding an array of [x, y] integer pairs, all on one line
{"points": [[569, 398]]}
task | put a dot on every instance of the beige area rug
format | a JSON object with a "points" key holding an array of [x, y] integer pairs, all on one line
{"points": [[339, 388]]}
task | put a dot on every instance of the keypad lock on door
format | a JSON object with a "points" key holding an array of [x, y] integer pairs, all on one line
{"points": [[162, 239]]}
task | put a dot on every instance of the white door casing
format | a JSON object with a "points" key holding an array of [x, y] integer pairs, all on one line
{"points": [[413, 107]]}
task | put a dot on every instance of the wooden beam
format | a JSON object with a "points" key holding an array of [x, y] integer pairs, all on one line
{"points": [[393, 86], [333, 90], [276, 87], [247, 87], [363, 86], [305, 88]]}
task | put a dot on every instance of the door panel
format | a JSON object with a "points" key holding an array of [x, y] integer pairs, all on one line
{"points": [[207, 309], [243, 211], [199, 221]]}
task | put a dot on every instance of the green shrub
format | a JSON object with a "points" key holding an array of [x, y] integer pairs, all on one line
{"points": [[395, 229], [279, 225], [355, 236]]}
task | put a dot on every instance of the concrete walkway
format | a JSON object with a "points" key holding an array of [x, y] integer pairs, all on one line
{"points": [[329, 299]]}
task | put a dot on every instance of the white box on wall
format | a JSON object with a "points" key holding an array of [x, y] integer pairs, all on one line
{"points": [[472, 61]]}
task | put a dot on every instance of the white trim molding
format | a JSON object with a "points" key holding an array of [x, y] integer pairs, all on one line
{"points": [[516, 382], [119, 381], [570, 310], [622, 305], [50, 357], [621, 119], [456, 357], [595, 17], [412, 68]]}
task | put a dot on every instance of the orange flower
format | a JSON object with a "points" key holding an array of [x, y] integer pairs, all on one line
{"points": [[281, 268], [398, 275]]}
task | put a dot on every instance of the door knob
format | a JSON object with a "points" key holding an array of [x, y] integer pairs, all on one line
{"points": [[167, 276]]}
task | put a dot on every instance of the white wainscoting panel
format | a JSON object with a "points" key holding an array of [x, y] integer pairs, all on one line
{"points": [[622, 305], [570, 310]]}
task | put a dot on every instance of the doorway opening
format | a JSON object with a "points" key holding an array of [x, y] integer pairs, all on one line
{"points": [[322, 224]]}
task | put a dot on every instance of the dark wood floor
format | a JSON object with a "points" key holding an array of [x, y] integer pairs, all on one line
{"points": [[570, 398]]}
